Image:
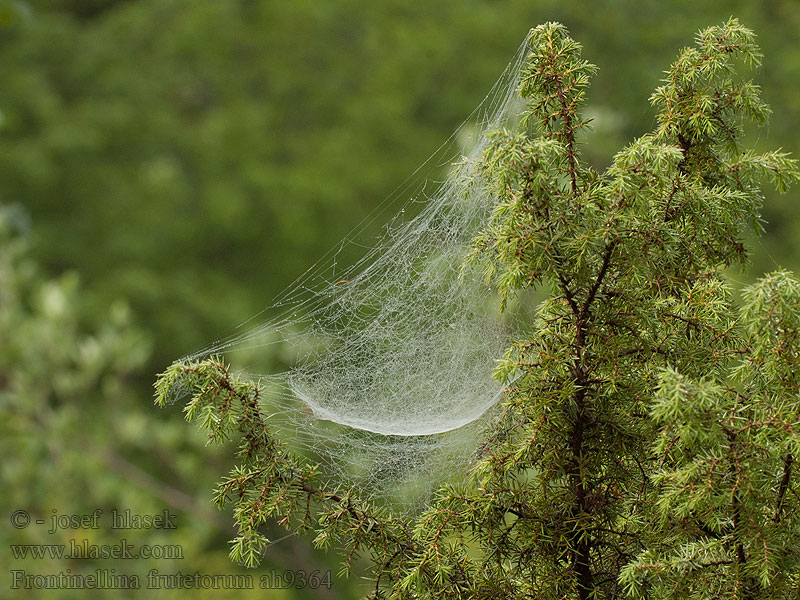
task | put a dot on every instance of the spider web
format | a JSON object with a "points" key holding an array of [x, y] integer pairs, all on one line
{"points": [[391, 383]]}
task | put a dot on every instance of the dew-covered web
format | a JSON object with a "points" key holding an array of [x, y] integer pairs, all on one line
{"points": [[391, 380]]}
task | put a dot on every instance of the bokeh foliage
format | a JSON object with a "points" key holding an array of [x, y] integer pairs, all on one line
{"points": [[213, 150]]}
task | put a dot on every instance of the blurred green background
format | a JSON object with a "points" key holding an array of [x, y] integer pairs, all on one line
{"points": [[168, 166]]}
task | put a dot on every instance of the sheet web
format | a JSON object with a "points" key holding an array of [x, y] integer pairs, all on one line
{"points": [[391, 382]]}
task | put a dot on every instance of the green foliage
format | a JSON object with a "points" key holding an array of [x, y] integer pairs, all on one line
{"points": [[240, 139], [725, 499], [646, 446], [77, 438], [244, 139], [270, 483], [55, 369], [138, 133]]}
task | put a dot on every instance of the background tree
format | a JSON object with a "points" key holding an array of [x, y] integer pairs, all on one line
{"points": [[150, 128], [56, 372], [646, 448]]}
